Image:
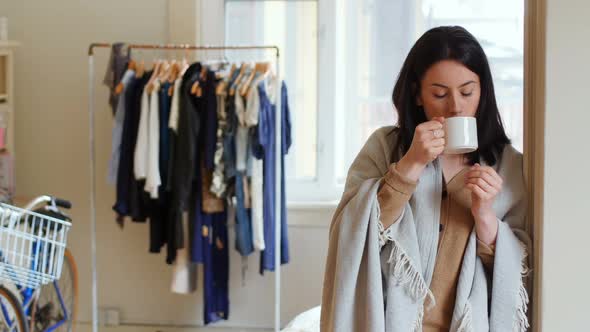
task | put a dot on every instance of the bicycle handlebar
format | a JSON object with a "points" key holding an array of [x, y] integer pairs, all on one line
{"points": [[62, 203], [48, 199]]}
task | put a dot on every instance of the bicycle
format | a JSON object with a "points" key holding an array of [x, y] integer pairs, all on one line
{"points": [[38, 275]]}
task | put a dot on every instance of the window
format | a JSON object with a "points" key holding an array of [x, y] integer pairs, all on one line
{"points": [[340, 60]]}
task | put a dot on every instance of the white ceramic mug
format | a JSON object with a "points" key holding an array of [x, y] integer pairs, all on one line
{"points": [[460, 135]]}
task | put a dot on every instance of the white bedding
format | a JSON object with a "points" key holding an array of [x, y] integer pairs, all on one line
{"points": [[308, 321]]}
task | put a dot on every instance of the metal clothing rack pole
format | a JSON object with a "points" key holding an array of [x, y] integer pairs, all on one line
{"points": [[278, 151]]}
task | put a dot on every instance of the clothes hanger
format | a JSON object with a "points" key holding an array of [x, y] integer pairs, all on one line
{"points": [[177, 68], [244, 87], [140, 67], [232, 78], [234, 86], [184, 63], [162, 75], [169, 75], [172, 76], [130, 66], [260, 68], [221, 69], [155, 73], [243, 80], [227, 75], [223, 84], [203, 77], [195, 87]]}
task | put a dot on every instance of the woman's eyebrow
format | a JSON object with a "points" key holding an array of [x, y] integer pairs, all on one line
{"points": [[446, 87], [467, 83]]}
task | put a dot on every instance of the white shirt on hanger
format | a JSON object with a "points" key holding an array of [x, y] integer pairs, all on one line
{"points": [[241, 135], [153, 180], [140, 153], [256, 185], [252, 110], [175, 104]]}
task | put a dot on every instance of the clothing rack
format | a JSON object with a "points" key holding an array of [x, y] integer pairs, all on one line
{"points": [[278, 148]]}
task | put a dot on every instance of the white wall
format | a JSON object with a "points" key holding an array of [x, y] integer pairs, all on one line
{"points": [[567, 181], [52, 151]]}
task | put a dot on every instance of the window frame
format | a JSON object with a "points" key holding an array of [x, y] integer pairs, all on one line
{"points": [[535, 13], [326, 186]]}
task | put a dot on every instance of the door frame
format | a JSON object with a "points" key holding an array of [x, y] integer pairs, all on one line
{"points": [[534, 140]]}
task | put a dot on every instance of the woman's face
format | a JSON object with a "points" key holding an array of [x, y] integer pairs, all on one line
{"points": [[449, 89]]}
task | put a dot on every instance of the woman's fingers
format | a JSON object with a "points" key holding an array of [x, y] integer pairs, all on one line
{"points": [[479, 173], [438, 133], [430, 135], [437, 150], [429, 125], [481, 183], [437, 142], [440, 119], [480, 193], [428, 142], [490, 171]]}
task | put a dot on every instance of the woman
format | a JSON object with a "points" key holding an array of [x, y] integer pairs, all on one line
{"points": [[423, 240]]}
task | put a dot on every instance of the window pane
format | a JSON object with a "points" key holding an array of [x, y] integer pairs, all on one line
{"points": [[375, 37], [293, 27], [499, 27]]}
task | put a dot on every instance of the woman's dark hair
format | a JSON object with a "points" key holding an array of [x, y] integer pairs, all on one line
{"points": [[449, 43]]}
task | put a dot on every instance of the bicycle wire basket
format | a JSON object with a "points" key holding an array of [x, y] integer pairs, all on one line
{"points": [[32, 246]]}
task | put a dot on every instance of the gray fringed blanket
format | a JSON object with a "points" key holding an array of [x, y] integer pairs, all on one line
{"points": [[357, 296]]}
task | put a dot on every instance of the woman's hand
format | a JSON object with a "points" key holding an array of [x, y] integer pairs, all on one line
{"points": [[484, 184], [427, 144]]}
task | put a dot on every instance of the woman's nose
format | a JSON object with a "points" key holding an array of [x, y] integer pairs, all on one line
{"points": [[454, 106]]}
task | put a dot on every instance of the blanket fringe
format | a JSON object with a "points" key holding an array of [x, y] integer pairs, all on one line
{"points": [[466, 324], [522, 323], [406, 275], [419, 321]]}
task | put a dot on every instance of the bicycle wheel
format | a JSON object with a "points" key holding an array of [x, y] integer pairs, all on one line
{"points": [[47, 310], [12, 317]]}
